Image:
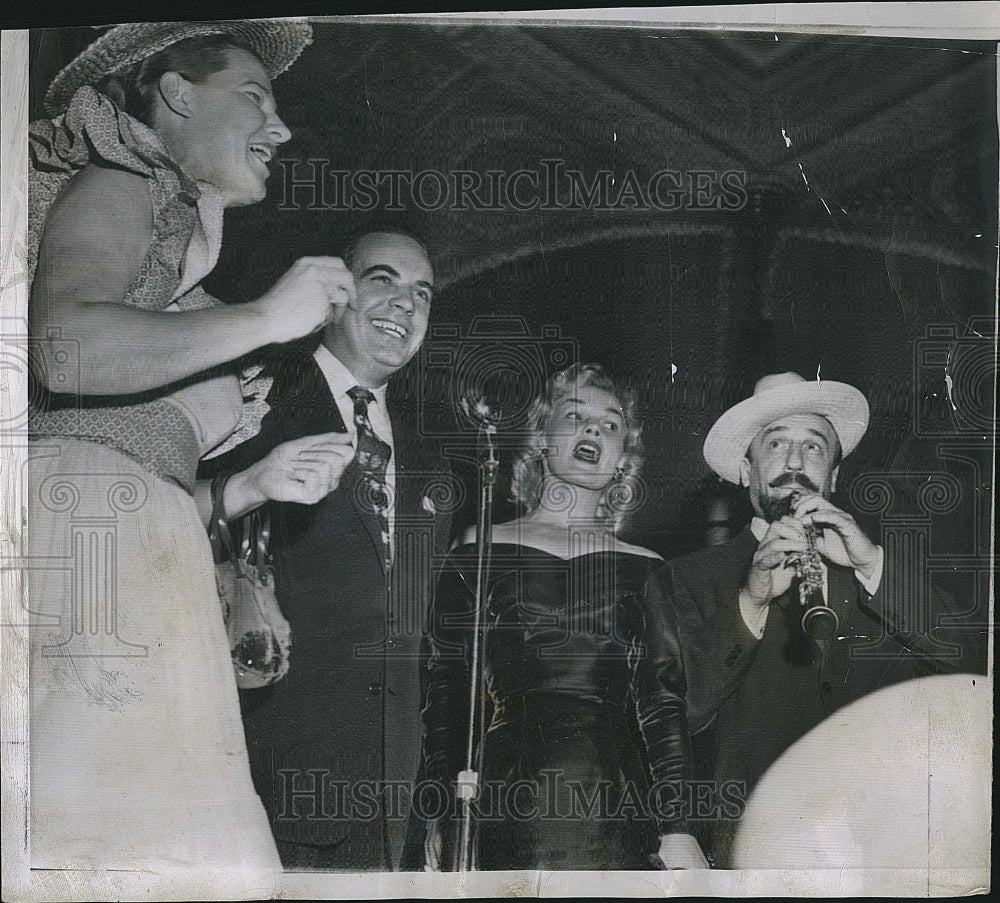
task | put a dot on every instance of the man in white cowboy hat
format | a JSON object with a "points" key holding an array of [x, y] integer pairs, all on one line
{"points": [[761, 672]]}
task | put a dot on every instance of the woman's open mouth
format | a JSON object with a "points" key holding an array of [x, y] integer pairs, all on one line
{"points": [[587, 451]]}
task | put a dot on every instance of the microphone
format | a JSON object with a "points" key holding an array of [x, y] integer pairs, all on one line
{"points": [[478, 409]]}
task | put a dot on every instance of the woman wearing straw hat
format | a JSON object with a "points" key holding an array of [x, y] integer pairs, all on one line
{"points": [[137, 751]]}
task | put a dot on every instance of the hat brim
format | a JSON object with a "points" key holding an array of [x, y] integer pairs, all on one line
{"points": [[276, 42], [728, 440]]}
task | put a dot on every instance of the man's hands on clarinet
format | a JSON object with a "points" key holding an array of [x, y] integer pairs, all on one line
{"points": [[838, 539]]}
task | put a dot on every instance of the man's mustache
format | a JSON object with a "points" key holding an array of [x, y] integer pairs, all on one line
{"points": [[791, 476]]}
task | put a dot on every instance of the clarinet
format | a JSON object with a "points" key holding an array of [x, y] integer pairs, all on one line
{"points": [[818, 620]]}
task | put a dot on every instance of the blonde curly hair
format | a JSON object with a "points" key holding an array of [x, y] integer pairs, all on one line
{"points": [[619, 497]]}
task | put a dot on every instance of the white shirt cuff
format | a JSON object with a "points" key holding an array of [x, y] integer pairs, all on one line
{"points": [[754, 616], [871, 584]]}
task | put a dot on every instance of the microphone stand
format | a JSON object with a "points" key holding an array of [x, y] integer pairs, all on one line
{"points": [[468, 780]]}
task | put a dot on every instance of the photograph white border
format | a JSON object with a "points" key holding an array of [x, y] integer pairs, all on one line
{"points": [[953, 21]]}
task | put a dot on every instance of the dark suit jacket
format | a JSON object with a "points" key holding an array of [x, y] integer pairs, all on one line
{"points": [[749, 699], [349, 708]]}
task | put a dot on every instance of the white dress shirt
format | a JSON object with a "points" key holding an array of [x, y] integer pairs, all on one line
{"points": [[340, 381], [755, 618]]}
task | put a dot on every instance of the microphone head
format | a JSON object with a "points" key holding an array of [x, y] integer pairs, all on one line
{"points": [[478, 409]]}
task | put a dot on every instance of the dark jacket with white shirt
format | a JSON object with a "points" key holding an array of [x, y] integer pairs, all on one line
{"points": [[751, 698], [348, 711]]}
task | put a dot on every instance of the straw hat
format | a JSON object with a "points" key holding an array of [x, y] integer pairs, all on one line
{"points": [[781, 395], [276, 42]]}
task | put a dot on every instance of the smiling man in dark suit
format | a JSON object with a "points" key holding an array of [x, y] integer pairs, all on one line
{"points": [[335, 744]]}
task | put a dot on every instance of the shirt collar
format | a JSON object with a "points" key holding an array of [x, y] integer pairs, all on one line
{"points": [[340, 379]]}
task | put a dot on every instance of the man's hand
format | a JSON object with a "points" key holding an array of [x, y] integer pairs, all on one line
{"points": [[841, 540], [769, 573], [432, 847], [304, 470], [681, 851]]}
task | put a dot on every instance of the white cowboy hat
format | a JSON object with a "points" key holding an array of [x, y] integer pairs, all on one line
{"points": [[276, 42], [780, 395]]}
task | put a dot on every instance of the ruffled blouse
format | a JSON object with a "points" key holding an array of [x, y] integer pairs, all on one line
{"points": [[152, 427]]}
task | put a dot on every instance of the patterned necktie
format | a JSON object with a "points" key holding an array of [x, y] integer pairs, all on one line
{"points": [[372, 456]]}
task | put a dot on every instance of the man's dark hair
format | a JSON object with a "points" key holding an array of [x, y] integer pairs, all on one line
{"points": [[350, 248]]}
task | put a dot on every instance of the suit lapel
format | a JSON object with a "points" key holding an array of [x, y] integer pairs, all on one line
{"points": [[842, 589], [416, 471], [302, 398], [408, 469]]}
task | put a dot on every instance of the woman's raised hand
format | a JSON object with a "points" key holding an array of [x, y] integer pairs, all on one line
{"points": [[305, 298]]}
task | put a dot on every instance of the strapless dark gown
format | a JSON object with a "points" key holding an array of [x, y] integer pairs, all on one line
{"points": [[585, 709]]}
